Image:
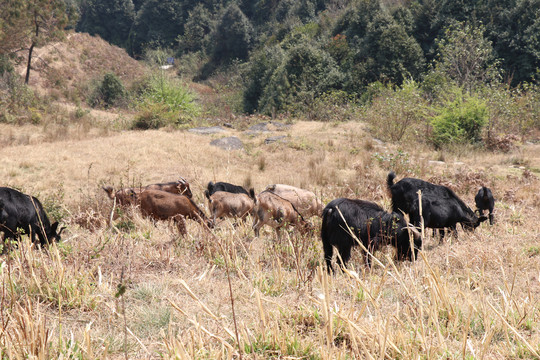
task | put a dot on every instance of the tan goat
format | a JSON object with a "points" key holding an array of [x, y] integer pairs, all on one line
{"points": [[277, 212], [161, 205], [305, 201], [226, 204]]}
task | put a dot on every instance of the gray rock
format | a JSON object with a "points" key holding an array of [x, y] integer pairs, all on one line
{"points": [[267, 127], [228, 143], [207, 130], [260, 127], [273, 139]]}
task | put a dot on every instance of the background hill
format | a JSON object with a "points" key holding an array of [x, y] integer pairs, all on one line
{"points": [[67, 68]]}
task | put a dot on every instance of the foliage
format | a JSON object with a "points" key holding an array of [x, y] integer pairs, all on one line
{"points": [[164, 101], [18, 103], [291, 78], [109, 91], [27, 24], [388, 52], [197, 29], [111, 20], [514, 32], [158, 24], [397, 115], [233, 37], [466, 57], [459, 121]]}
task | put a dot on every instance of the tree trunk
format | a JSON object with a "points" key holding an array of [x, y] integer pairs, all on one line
{"points": [[28, 65]]}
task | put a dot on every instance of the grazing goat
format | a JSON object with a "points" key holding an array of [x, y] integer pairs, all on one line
{"points": [[305, 201], [444, 213], [222, 203], [180, 186], [370, 224], [130, 196], [21, 211], [124, 197], [162, 205], [441, 207], [227, 187], [275, 211], [485, 201]]}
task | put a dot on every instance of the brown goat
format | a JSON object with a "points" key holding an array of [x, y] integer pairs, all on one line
{"points": [[130, 196], [275, 211], [305, 201], [124, 197], [180, 187], [226, 204], [162, 205]]}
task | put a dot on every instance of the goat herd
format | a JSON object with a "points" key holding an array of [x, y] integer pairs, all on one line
{"points": [[345, 222]]}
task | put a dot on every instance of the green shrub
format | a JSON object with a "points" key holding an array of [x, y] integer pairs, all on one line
{"points": [[461, 121], [111, 89], [164, 101], [108, 92]]}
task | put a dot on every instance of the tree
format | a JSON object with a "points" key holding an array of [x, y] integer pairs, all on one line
{"points": [[43, 21], [11, 21], [389, 52], [196, 29], [515, 34], [157, 24], [466, 57], [233, 37], [110, 19]]}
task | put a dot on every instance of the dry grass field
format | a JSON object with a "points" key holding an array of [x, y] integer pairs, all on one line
{"points": [[136, 289]]}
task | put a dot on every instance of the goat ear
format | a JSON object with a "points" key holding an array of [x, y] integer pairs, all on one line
{"points": [[54, 227]]}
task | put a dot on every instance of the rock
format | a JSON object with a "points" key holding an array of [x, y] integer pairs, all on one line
{"points": [[435, 162], [260, 127], [207, 130], [228, 143], [274, 139], [267, 127]]}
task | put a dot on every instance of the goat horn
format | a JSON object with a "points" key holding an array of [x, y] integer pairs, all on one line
{"points": [[413, 229]]}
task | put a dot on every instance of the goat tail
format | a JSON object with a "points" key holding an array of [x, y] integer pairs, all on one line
{"points": [[390, 179], [109, 190]]}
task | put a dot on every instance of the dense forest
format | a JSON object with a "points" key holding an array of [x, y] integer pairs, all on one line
{"points": [[453, 63]]}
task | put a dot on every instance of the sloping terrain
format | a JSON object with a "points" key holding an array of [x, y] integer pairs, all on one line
{"points": [[68, 65]]}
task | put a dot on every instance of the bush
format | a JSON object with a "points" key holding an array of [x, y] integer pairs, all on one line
{"points": [[164, 101], [108, 92], [461, 121], [396, 115]]}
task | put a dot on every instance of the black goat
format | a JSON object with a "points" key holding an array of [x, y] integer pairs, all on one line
{"points": [[485, 201], [441, 207], [21, 211], [444, 213], [227, 187], [370, 224]]}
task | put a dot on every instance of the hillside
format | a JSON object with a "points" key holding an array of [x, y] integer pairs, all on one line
{"points": [[64, 69], [123, 286]]}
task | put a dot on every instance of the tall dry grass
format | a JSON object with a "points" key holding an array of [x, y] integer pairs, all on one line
{"points": [[139, 290]]}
